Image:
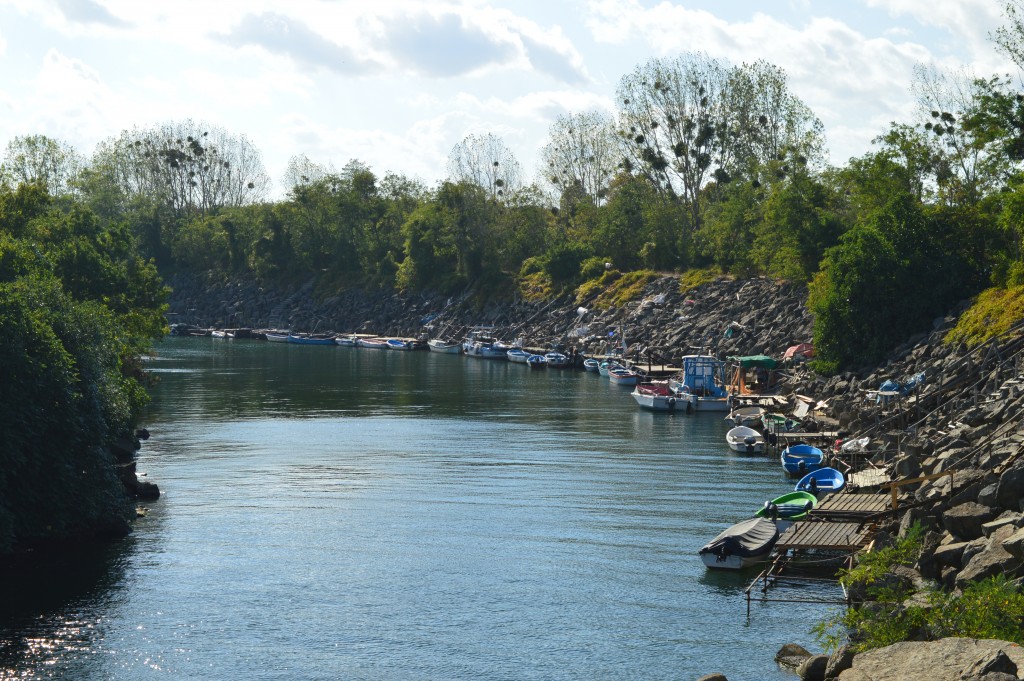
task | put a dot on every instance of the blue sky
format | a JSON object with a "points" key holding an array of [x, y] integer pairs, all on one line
{"points": [[396, 84]]}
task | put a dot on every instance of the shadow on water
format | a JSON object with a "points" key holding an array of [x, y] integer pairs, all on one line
{"points": [[53, 606]]}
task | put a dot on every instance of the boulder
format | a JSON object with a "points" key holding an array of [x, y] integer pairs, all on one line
{"points": [[1014, 544], [840, 661], [965, 521], [995, 662], [943, 660], [990, 561], [792, 655], [713, 677], [813, 668], [1010, 488]]}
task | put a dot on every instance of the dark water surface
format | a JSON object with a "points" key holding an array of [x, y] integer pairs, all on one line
{"points": [[337, 513]]}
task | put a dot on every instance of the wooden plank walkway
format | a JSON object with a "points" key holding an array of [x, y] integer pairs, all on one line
{"points": [[825, 536], [870, 477], [851, 506]]}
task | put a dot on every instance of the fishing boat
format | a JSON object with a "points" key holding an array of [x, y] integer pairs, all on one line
{"points": [[443, 346], [788, 507], [742, 545], [822, 481], [347, 341], [592, 365], [402, 344], [373, 343], [799, 460], [221, 334], [311, 339], [656, 397], [276, 336], [607, 365], [745, 440], [702, 383], [623, 376], [746, 416], [556, 360], [536, 362], [517, 355]]}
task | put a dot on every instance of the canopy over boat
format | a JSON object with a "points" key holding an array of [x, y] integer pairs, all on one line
{"points": [[755, 362]]}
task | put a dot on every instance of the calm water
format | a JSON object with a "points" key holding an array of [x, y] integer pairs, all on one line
{"points": [[334, 513]]}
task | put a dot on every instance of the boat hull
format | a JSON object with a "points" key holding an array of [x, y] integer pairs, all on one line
{"points": [[745, 440]]}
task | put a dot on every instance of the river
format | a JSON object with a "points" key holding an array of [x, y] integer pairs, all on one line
{"points": [[338, 513]]}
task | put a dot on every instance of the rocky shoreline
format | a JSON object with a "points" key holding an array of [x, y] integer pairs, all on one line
{"points": [[964, 415]]}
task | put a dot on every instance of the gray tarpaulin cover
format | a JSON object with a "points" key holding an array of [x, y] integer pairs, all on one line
{"points": [[748, 538]]}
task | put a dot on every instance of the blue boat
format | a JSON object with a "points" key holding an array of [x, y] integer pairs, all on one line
{"points": [[591, 364], [536, 362], [311, 339], [799, 460], [822, 480]]}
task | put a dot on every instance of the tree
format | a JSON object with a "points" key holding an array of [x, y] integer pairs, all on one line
{"points": [[583, 151], [42, 160], [485, 161], [668, 113], [191, 167]]}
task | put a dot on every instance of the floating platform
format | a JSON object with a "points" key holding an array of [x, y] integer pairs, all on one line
{"points": [[851, 507]]}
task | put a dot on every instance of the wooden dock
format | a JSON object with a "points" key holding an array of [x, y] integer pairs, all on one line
{"points": [[851, 507], [824, 536]]}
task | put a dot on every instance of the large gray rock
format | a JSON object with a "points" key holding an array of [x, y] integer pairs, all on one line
{"points": [[713, 677], [792, 655], [840, 661], [1010, 488], [1015, 544], [943, 660], [990, 561], [813, 668], [965, 521]]}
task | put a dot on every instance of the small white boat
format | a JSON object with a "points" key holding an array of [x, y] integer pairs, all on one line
{"points": [[373, 343], [219, 333], [742, 545], [276, 336], [346, 341], [746, 416], [623, 376], [438, 345], [517, 355], [745, 440], [556, 360], [656, 397]]}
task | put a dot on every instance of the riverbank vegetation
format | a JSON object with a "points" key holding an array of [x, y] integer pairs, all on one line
{"points": [[704, 166], [891, 608], [77, 307]]}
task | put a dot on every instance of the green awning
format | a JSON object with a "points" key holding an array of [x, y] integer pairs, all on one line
{"points": [[750, 361]]}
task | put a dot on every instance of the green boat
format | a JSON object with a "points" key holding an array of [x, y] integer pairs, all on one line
{"points": [[790, 506]]}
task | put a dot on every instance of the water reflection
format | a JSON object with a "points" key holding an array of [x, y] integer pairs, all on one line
{"points": [[54, 608]]}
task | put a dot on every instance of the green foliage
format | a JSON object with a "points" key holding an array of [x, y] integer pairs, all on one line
{"points": [[77, 305], [893, 611], [562, 262], [993, 312], [691, 279], [887, 279], [619, 289]]}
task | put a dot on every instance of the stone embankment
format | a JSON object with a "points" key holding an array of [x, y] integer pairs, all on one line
{"points": [[950, 414]]}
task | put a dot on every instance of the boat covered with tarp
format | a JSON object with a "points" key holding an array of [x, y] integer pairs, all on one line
{"points": [[744, 544]]}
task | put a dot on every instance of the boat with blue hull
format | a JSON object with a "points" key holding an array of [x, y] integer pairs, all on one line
{"points": [[822, 481], [799, 460]]}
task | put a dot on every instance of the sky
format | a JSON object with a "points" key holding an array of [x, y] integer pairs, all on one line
{"points": [[396, 84]]}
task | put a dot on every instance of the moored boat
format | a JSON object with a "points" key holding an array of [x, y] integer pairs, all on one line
{"points": [[656, 397], [702, 383], [790, 506], [536, 362], [821, 481], [556, 360], [517, 355], [592, 365], [276, 336], [373, 343], [799, 460], [742, 545], [402, 344], [623, 376], [443, 346], [311, 339], [348, 341], [745, 440], [746, 416]]}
